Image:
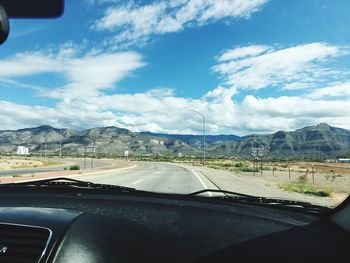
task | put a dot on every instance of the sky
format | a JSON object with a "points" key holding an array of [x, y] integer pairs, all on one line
{"points": [[250, 66]]}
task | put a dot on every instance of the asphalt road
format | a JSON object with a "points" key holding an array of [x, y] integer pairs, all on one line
{"points": [[157, 177], [184, 179], [96, 164]]}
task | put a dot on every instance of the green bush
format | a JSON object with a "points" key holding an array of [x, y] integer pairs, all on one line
{"points": [[248, 169], [305, 188], [74, 167], [239, 165]]}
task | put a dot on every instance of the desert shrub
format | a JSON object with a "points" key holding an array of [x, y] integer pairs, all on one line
{"points": [[305, 188], [239, 165], [304, 177], [74, 167]]}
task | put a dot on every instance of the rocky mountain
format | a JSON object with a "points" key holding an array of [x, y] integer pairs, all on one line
{"points": [[321, 141], [108, 140], [192, 139]]}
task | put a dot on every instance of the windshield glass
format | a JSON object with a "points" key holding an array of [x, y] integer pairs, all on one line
{"points": [[183, 95]]}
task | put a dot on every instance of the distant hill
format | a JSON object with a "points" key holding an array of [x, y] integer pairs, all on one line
{"points": [[190, 139], [320, 141], [108, 140]]}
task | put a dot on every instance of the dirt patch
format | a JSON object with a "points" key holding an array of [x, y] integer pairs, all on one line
{"points": [[8, 164], [115, 165], [332, 176]]}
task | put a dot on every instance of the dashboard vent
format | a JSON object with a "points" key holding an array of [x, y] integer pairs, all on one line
{"points": [[304, 218], [19, 243]]}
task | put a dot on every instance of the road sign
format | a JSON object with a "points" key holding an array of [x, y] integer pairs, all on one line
{"points": [[261, 151], [90, 149], [254, 151]]}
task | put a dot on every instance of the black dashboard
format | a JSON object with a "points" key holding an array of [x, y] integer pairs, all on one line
{"points": [[127, 228]]}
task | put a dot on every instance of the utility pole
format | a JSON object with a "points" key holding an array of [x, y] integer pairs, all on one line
{"points": [[289, 171], [89, 150], [93, 153], [203, 128], [45, 146], [254, 166], [60, 143], [315, 154], [261, 153], [254, 154]]}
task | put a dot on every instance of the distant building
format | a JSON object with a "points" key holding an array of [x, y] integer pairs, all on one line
{"points": [[22, 150], [343, 160]]}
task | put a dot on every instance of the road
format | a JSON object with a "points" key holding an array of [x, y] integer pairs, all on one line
{"points": [[97, 164], [157, 177], [176, 178], [184, 179]]}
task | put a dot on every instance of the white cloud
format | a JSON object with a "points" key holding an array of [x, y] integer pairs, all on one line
{"points": [[133, 23], [295, 107], [82, 101], [85, 74], [26, 64], [257, 67], [162, 111], [287, 113], [92, 2], [224, 115], [154, 110], [337, 90], [243, 52]]}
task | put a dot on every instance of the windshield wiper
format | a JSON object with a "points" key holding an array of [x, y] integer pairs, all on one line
{"points": [[64, 183], [234, 196]]}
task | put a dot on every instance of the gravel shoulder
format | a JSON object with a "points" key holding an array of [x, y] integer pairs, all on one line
{"points": [[258, 187]]}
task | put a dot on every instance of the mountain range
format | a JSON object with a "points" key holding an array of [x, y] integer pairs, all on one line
{"points": [[320, 141]]}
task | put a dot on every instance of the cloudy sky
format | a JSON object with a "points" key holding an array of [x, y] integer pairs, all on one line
{"points": [[251, 66]]}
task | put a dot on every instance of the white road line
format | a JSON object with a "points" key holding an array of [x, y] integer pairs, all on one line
{"points": [[99, 174], [201, 181], [138, 181]]}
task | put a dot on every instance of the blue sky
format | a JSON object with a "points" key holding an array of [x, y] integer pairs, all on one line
{"points": [[250, 66]]}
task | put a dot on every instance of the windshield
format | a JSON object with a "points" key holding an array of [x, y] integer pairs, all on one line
{"points": [[183, 95]]}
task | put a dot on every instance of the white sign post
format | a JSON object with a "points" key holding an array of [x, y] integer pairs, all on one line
{"points": [[126, 155], [89, 150], [254, 154]]}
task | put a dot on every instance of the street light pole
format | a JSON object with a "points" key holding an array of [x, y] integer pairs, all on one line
{"points": [[61, 143], [203, 117]]}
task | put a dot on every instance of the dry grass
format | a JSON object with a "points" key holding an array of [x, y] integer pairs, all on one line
{"points": [[332, 176]]}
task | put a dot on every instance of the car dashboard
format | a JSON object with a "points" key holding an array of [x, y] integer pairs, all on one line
{"points": [[80, 227]]}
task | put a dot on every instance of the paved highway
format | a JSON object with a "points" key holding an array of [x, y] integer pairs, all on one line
{"points": [[157, 177], [184, 179], [97, 164]]}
